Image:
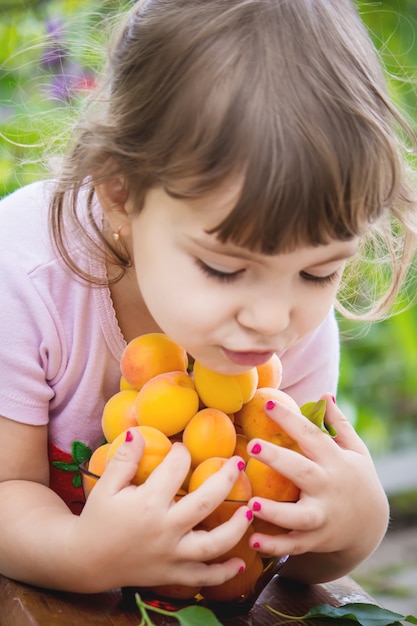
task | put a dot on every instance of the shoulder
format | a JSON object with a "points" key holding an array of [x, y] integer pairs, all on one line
{"points": [[24, 221]]}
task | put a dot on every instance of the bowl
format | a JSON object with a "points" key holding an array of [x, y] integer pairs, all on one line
{"points": [[234, 597]]}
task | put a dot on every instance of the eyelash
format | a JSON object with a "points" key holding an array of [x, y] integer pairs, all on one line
{"points": [[221, 276], [320, 280], [232, 276]]}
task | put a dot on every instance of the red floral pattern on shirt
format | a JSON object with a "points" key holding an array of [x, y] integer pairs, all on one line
{"points": [[65, 477]]}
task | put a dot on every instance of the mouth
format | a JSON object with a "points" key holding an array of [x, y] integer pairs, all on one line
{"points": [[248, 359]]}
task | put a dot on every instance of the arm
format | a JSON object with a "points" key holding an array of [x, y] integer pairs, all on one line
{"points": [[126, 535], [342, 514]]}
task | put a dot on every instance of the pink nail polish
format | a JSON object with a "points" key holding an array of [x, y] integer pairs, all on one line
{"points": [[129, 436], [256, 506], [241, 569], [249, 515], [271, 404], [333, 400], [241, 466], [256, 545], [256, 448]]}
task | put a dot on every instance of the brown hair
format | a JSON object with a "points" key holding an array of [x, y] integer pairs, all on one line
{"points": [[288, 93]]}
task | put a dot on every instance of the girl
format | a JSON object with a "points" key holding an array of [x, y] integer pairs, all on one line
{"points": [[239, 155]]}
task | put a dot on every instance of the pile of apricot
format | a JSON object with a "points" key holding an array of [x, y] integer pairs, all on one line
{"points": [[215, 415]]}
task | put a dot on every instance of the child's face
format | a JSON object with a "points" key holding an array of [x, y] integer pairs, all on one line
{"points": [[230, 308]]}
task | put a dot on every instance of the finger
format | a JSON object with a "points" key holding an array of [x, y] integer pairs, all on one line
{"points": [[208, 544], [292, 543], [122, 467], [313, 442], [168, 477], [198, 504], [305, 473], [288, 515], [346, 436], [197, 574]]}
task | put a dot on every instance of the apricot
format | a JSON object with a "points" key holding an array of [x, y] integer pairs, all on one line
{"points": [[241, 586], [224, 392], [240, 493], [209, 433], [125, 386], [96, 467], [267, 483], [241, 490], [149, 355], [241, 447], [119, 414], [157, 446], [168, 402], [255, 422], [270, 373]]}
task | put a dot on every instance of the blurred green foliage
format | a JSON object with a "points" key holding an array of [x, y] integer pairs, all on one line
{"points": [[49, 55]]}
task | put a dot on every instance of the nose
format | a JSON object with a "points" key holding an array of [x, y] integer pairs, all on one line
{"points": [[266, 316]]}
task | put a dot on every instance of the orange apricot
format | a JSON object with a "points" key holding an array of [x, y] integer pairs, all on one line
{"points": [[241, 490], [270, 373], [267, 483], [149, 355], [168, 402], [240, 493], [119, 414], [209, 433], [96, 467], [241, 586], [125, 386], [241, 447], [157, 446], [255, 422], [224, 392]]}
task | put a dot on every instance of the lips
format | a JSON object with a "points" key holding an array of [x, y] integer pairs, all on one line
{"points": [[248, 359]]}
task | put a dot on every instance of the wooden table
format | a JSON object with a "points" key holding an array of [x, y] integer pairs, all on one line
{"points": [[23, 605]]}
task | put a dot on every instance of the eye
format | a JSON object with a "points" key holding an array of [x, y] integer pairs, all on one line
{"points": [[226, 277], [320, 280]]}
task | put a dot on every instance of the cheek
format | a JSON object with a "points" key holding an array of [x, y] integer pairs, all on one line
{"points": [[314, 309]]}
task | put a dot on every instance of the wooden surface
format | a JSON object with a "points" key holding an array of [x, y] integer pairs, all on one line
{"points": [[23, 605]]}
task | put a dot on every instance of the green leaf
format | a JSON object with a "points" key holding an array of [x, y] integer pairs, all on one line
{"points": [[76, 480], [195, 616], [65, 467], [189, 616], [362, 613], [80, 452], [316, 412]]}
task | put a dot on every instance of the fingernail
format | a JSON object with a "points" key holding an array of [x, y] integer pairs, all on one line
{"points": [[249, 515], [240, 466], [256, 448], [129, 436], [271, 404], [256, 545], [333, 400], [256, 506], [241, 569]]}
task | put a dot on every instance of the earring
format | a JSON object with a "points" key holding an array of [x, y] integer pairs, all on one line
{"points": [[116, 236]]}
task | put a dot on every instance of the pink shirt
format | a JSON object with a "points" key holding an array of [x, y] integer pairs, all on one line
{"points": [[61, 343]]}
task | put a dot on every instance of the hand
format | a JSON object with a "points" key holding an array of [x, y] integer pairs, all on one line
{"points": [[137, 536], [342, 507]]}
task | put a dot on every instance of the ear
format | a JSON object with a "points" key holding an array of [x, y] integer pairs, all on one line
{"points": [[112, 195]]}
